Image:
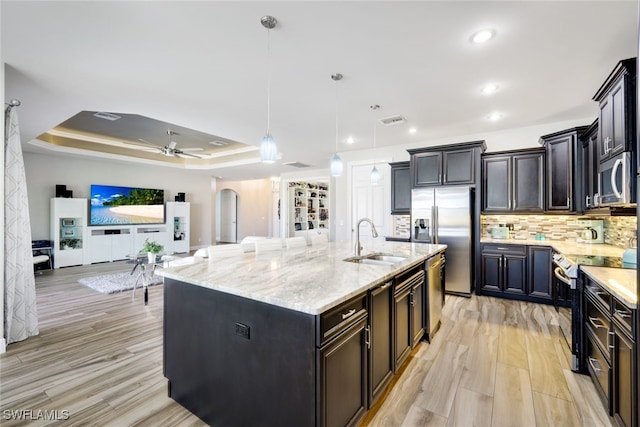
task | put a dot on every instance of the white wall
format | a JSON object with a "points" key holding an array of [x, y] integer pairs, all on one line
{"points": [[254, 206], [45, 171]]}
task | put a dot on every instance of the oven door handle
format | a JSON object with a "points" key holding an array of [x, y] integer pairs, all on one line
{"points": [[558, 272]]}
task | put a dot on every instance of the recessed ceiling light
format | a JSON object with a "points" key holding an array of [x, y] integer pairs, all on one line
{"points": [[483, 36], [413, 130], [490, 88], [494, 116], [350, 140]]}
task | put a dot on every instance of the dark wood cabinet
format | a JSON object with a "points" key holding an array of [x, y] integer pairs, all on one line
{"points": [[513, 181], [610, 351], [445, 165], [540, 271], [504, 269], [408, 313], [381, 361], [517, 272], [588, 167], [562, 171], [400, 188], [343, 377], [617, 110]]}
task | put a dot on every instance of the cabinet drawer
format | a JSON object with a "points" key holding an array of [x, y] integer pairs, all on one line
{"points": [[336, 320], [598, 294], [599, 369], [623, 316], [504, 249], [598, 324]]}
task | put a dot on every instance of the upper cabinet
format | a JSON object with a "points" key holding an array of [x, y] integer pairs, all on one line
{"points": [[562, 171], [617, 102], [513, 181], [400, 188], [446, 165], [589, 160]]}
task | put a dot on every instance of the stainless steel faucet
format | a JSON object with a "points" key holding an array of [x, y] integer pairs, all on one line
{"points": [[374, 233]]}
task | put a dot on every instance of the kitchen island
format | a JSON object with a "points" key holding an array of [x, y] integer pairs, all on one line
{"points": [[288, 337]]}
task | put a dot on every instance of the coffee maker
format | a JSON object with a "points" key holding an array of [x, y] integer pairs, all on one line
{"points": [[591, 231]]}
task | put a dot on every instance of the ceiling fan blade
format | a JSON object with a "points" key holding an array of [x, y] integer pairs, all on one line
{"points": [[182, 153], [146, 143]]}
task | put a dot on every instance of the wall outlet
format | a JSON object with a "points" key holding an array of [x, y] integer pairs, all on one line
{"points": [[242, 330]]}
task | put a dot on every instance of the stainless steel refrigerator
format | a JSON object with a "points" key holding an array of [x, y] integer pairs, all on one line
{"points": [[444, 215]]}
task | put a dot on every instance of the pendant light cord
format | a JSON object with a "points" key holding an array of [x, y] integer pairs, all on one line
{"points": [[268, 80], [337, 115], [374, 144]]}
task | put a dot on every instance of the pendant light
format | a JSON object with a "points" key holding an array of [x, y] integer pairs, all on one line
{"points": [[336, 161], [268, 148], [375, 175]]}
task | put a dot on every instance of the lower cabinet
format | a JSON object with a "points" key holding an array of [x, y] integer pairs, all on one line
{"points": [[343, 383], [517, 272], [408, 307], [610, 352], [381, 361]]}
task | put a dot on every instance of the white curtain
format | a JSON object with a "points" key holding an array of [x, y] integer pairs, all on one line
{"points": [[20, 311]]}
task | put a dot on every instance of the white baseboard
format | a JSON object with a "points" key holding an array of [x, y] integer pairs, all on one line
{"points": [[3, 345]]}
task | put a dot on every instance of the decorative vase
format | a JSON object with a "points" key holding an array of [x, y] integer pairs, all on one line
{"points": [[152, 257]]}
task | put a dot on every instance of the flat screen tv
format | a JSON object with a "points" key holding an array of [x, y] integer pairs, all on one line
{"points": [[111, 205]]}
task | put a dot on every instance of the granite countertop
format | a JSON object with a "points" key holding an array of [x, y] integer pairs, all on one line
{"points": [[311, 280], [564, 247], [621, 282]]}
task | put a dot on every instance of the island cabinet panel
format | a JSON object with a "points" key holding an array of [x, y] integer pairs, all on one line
{"points": [[408, 316], [238, 362], [381, 362]]}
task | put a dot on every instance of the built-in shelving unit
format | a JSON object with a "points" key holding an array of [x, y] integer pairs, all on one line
{"points": [[69, 231], [178, 216], [308, 208]]}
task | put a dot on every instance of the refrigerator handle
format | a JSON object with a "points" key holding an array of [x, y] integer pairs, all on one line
{"points": [[434, 228]]}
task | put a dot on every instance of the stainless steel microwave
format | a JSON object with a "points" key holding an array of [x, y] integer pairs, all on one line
{"points": [[614, 181]]}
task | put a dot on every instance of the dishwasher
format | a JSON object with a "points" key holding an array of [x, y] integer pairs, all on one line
{"points": [[435, 278]]}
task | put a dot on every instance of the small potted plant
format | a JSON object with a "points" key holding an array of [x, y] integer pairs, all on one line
{"points": [[152, 249]]}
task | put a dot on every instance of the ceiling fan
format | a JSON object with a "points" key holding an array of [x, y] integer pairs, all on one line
{"points": [[170, 149]]}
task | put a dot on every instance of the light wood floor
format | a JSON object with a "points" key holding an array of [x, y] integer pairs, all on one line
{"points": [[99, 357]]}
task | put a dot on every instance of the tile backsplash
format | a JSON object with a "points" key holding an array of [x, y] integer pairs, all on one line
{"points": [[617, 230], [401, 226]]}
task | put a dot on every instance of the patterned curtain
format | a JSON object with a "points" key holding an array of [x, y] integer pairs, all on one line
{"points": [[20, 311]]}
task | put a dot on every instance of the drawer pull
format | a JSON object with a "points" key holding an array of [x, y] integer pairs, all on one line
{"points": [[597, 323], [385, 286], [611, 337], [622, 314], [367, 339], [592, 362], [348, 313], [502, 249]]}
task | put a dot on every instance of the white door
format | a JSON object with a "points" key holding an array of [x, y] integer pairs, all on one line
{"points": [[228, 216], [370, 201]]}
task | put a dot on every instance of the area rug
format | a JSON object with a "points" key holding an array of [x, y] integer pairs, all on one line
{"points": [[114, 283]]}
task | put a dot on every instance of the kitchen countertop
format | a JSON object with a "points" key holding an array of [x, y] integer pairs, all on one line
{"points": [[564, 247], [621, 282], [310, 280]]}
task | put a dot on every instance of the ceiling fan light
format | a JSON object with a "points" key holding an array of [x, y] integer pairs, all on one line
{"points": [[336, 165], [375, 176], [268, 150]]}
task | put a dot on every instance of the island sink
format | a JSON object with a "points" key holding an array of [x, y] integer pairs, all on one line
{"points": [[376, 258]]}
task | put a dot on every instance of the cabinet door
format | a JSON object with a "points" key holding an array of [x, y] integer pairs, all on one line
{"points": [[540, 272], [402, 330], [559, 170], [618, 125], [381, 352], [459, 167], [624, 400], [528, 182], [417, 313], [491, 272], [427, 169], [343, 377], [400, 190], [605, 126], [589, 170], [496, 183], [515, 274]]}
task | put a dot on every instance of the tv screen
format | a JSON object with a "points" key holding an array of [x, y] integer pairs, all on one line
{"points": [[112, 205]]}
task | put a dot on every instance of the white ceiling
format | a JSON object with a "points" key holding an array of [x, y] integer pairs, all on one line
{"points": [[202, 65]]}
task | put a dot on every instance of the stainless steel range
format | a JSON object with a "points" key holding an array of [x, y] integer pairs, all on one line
{"points": [[568, 296]]}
